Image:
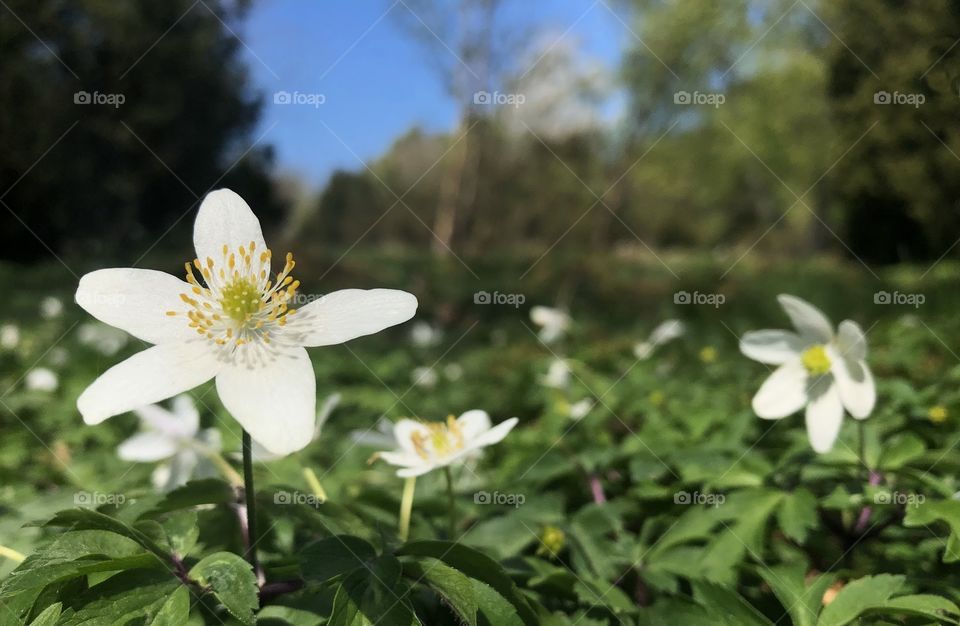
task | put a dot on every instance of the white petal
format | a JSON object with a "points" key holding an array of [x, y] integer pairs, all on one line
{"points": [[275, 402], [855, 383], [851, 341], [404, 430], [783, 393], [401, 458], [809, 321], [224, 218], [824, 415], [667, 331], [343, 315], [771, 346], [473, 423], [495, 434], [420, 470], [160, 420], [147, 447], [147, 377], [137, 301]]}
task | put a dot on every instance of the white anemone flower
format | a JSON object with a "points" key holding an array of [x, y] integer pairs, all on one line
{"points": [[51, 307], [424, 335], [424, 376], [104, 339], [174, 439], [665, 332], [9, 336], [553, 323], [825, 372], [423, 447], [558, 374], [229, 320], [41, 379], [579, 410], [262, 455]]}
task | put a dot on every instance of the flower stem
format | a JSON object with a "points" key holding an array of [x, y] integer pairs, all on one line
{"points": [[11, 554], [406, 507], [250, 494], [315, 486], [450, 504], [232, 476]]}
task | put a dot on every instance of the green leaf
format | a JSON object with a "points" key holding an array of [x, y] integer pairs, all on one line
{"points": [[900, 450], [371, 596], [88, 519], [727, 607], [475, 565], [49, 616], [797, 514], [334, 556], [921, 605], [858, 596], [788, 584], [195, 493], [454, 588], [148, 598], [930, 511], [177, 532], [77, 553], [232, 581]]}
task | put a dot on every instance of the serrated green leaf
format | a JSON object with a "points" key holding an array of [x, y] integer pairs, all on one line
{"points": [[335, 556], [930, 511], [788, 582], [797, 514], [49, 616], [88, 519], [858, 596], [727, 607], [232, 581], [144, 597], [78, 553], [372, 596], [195, 493], [475, 565], [455, 589], [921, 605]]}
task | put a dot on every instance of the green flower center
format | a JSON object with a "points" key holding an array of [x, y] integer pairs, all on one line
{"points": [[241, 299], [815, 359]]}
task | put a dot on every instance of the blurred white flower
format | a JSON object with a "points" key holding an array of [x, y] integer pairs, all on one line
{"points": [[580, 409], [104, 339], [424, 335], [453, 371], [50, 308], [667, 331], [262, 455], [380, 436], [553, 323], [558, 375], [41, 379], [174, 439], [231, 321], [9, 336], [422, 447], [424, 377], [817, 369]]}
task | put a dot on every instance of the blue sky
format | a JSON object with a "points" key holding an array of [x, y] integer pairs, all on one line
{"points": [[375, 79]]}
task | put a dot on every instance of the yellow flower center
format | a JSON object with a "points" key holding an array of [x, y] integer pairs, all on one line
{"points": [[552, 541], [815, 359], [708, 354], [938, 414], [235, 300], [440, 440]]}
